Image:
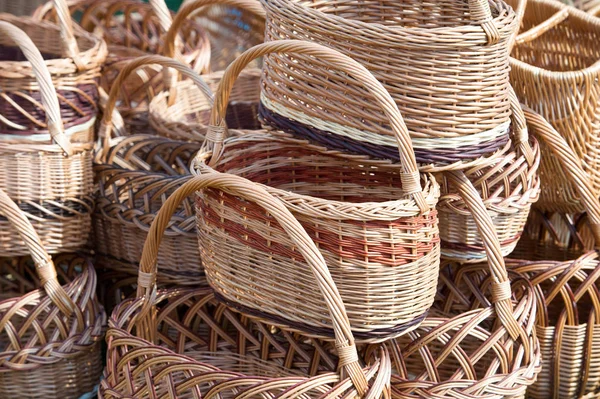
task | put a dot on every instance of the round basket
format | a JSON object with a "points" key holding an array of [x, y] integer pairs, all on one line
{"points": [[374, 223], [508, 185], [470, 346], [186, 343], [52, 324], [183, 112], [445, 64], [74, 59], [555, 70], [135, 175], [132, 29], [53, 189]]}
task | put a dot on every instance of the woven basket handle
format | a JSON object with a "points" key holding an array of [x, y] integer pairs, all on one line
{"points": [[185, 11], [244, 188], [544, 27], [501, 290], [106, 126], [571, 167], [65, 22], [217, 129], [44, 266], [519, 129], [44, 80], [481, 14]]}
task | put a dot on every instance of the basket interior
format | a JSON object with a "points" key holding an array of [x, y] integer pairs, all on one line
{"points": [[572, 45]]}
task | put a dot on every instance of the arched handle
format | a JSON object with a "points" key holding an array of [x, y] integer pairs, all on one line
{"points": [[106, 126], [571, 167], [501, 290], [44, 266], [244, 188], [217, 129], [66, 32], [544, 27], [188, 8], [481, 14], [519, 129], [44, 80]]}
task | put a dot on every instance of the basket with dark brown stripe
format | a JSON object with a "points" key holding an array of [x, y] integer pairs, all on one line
{"points": [[445, 64], [185, 341], [133, 28], [48, 174], [375, 225]]}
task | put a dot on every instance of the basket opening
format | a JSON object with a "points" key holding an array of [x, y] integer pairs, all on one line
{"points": [[425, 14]]}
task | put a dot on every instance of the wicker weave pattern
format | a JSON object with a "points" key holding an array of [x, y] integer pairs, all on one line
{"points": [[555, 71], [424, 54]]}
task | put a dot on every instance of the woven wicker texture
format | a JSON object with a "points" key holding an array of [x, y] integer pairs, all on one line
{"points": [[133, 28], [444, 63], [508, 185], [372, 381], [74, 59], [135, 175], [53, 189], [557, 235], [50, 321], [555, 71], [567, 326], [375, 225], [461, 350]]}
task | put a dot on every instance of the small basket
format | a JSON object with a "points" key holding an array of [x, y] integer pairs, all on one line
{"points": [[74, 59], [555, 70], [376, 227], [132, 29], [52, 324], [508, 185], [135, 175], [182, 112], [187, 342], [54, 190], [445, 64]]}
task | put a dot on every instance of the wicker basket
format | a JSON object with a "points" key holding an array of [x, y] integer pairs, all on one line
{"points": [[509, 185], [52, 324], [135, 175], [178, 332], [74, 59], [445, 64], [376, 227], [132, 29], [182, 112], [54, 190], [556, 71]]}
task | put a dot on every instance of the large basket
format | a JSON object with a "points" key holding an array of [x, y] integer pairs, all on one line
{"points": [[53, 189], [186, 343], [51, 323], [182, 112], [132, 29], [508, 185], [555, 70], [135, 175], [375, 226], [445, 64], [74, 59]]}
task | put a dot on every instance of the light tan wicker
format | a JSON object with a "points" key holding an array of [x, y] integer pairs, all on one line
{"points": [[133, 28], [555, 70], [445, 64], [508, 185], [182, 112], [135, 175], [186, 344], [74, 59], [53, 189], [376, 227], [51, 324], [19, 7], [465, 348]]}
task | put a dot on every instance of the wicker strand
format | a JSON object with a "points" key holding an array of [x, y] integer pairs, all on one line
{"points": [[69, 41]]}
